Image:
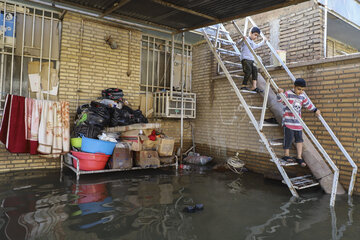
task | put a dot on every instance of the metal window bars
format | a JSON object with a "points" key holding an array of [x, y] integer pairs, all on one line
{"points": [[27, 33]]}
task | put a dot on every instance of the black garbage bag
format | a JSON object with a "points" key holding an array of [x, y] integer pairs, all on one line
{"points": [[99, 114], [139, 117], [87, 130], [120, 117], [112, 93], [82, 108]]}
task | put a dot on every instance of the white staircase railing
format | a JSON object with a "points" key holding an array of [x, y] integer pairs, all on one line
{"points": [[322, 120], [212, 34]]}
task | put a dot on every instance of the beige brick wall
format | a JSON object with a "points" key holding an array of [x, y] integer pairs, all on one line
{"points": [[86, 68], [299, 32], [222, 126]]}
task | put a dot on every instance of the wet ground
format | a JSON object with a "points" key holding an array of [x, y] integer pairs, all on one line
{"points": [[149, 204]]}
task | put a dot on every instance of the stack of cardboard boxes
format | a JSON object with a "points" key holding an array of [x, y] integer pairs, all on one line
{"points": [[142, 151]]}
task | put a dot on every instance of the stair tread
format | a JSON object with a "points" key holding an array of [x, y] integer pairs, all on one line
{"points": [[215, 29], [223, 41], [265, 123], [229, 52], [303, 182], [285, 163]]}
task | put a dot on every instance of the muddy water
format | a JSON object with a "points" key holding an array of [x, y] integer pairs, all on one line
{"points": [[149, 205]]}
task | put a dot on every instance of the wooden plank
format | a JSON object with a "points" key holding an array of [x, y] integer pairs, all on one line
{"points": [[137, 126]]}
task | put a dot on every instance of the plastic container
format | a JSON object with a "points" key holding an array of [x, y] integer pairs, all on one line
{"points": [[97, 146], [90, 161], [198, 160], [76, 142]]}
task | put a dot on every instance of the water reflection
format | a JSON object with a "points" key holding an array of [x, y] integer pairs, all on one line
{"points": [[145, 206], [29, 217], [299, 215]]}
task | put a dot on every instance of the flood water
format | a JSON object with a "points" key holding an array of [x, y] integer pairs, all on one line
{"points": [[150, 204]]}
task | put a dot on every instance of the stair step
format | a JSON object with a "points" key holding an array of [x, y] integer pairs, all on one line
{"points": [[233, 64], [228, 52], [254, 107], [303, 182], [215, 29], [285, 163], [231, 71], [269, 124], [221, 40], [248, 91], [275, 142]]}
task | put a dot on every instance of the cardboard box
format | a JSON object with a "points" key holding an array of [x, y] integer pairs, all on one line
{"points": [[121, 157], [167, 160], [150, 105], [147, 159], [135, 138], [166, 147], [151, 145]]}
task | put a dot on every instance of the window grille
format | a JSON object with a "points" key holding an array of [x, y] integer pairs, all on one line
{"points": [[27, 34]]}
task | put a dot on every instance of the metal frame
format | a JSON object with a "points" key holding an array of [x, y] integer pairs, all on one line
{"points": [[78, 172], [248, 111], [164, 105], [307, 130], [322, 120], [29, 13], [148, 43]]}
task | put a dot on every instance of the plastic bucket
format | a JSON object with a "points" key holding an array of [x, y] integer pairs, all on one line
{"points": [[90, 161], [97, 146], [76, 142]]}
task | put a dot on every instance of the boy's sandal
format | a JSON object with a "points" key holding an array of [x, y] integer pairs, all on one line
{"points": [[258, 90], [287, 159], [301, 162]]}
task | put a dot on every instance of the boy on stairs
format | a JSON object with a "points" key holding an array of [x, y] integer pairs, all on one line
{"points": [[292, 127], [247, 59]]}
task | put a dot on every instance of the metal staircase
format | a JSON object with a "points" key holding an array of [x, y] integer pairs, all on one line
{"points": [[220, 41]]}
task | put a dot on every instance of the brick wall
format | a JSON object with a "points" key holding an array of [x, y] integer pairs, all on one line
{"points": [[296, 29], [222, 126], [86, 68], [333, 86]]}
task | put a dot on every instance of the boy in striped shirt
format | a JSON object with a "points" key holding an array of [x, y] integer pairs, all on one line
{"points": [[292, 127]]}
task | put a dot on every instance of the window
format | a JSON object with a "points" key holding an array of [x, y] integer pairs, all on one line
{"points": [[27, 34], [156, 65]]}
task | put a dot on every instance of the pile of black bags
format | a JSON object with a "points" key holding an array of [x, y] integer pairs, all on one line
{"points": [[94, 117]]}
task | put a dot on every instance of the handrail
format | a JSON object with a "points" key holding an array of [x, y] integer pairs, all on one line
{"points": [[250, 115], [322, 120], [307, 130]]}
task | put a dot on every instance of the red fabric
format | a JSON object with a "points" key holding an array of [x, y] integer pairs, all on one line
{"points": [[152, 136], [16, 142], [5, 119]]}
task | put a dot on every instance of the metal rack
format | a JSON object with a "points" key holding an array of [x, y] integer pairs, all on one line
{"points": [[170, 107], [78, 172]]}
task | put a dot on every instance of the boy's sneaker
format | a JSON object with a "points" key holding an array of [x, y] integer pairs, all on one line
{"points": [[245, 88]]}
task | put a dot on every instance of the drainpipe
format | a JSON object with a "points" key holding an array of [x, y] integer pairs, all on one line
{"points": [[325, 28], [182, 98]]}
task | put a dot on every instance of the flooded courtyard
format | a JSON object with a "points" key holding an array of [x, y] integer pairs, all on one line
{"points": [[153, 204]]}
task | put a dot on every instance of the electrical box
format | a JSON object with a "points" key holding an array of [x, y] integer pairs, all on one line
{"points": [[8, 28]]}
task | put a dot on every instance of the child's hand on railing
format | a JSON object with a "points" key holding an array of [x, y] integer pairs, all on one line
{"points": [[318, 112], [280, 90]]}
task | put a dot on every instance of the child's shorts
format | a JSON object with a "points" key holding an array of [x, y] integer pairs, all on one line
{"points": [[289, 134]]}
